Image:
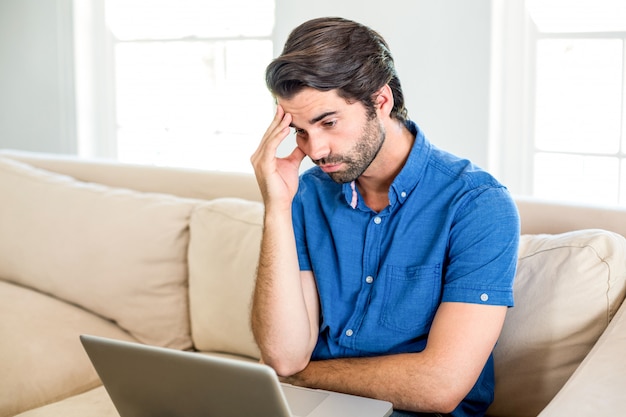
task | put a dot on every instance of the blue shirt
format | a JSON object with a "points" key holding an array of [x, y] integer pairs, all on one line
{"points": [[450, 233]]}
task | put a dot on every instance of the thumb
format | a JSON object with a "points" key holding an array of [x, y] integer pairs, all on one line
{"points": [[296, 156]]}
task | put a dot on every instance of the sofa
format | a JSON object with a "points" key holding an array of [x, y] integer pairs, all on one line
{"points": [[167, 257]]}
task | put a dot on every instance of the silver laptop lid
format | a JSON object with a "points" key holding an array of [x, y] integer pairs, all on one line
{"points": [[148, 381]]}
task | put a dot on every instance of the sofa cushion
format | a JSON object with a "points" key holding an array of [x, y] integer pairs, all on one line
{"points": [[41, 358], [567, 289], [116, 252], [223, 254]]}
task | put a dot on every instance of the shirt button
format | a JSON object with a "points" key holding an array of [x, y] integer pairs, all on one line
{"points": [[484, 297], [403, 194], [369, 279], [349, 332], [377, 220]]}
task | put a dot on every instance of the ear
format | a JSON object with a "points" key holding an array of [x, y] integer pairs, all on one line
{"points": [[384, 100]]}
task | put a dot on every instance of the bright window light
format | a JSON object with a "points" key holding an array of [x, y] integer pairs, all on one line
{"points": [[189, 80], [579, 95], [578, 15], [579, 100], [593, 179]]}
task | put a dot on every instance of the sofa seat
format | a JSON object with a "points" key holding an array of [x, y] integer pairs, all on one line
{"points": [[57, 368], [94, 402]]}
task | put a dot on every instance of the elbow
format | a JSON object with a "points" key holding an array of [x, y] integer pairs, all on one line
{"points": [[443, 395], [447, 404], [286, 365], [286, 368], [447, 400], [285, 359], [437, 404]]}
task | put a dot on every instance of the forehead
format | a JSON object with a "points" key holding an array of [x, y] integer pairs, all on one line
{"points": [[309, 104]]}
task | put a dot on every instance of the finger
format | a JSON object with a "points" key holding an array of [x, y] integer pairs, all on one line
{"points": [[275, 134], [280, 122], [296, 156]]}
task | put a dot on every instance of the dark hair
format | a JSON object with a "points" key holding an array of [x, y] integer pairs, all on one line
{"points": [[336, 54]]}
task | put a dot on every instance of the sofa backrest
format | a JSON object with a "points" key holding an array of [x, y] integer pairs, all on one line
{"points": [[538, 216], [551, 217], [181, 182]]}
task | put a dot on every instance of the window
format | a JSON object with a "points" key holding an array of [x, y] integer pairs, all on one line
{"points": [[189, 80], [576, 103]]}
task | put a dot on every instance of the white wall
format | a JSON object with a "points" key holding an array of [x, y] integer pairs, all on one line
{"points": [[36, 70], [441, 48], [442, 54]]}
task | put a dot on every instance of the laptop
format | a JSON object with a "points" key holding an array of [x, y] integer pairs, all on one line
{"points": [[149, 381]]}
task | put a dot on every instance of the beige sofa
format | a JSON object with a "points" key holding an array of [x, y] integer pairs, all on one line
{"points": [[167, 257]]}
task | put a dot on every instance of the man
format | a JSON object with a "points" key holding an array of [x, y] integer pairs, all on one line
{"points": [[386, 270]]}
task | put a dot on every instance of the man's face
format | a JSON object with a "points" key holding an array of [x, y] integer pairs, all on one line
{"points": [[337, 135]]}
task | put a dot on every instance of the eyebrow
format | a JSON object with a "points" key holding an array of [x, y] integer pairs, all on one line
{"points": [[322, 117], [318, 118]]}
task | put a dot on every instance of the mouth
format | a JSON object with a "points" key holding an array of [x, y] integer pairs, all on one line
{"points": [[328, 168]]}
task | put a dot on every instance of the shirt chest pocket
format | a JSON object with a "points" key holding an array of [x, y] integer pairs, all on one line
{"points": [[410, 298]]}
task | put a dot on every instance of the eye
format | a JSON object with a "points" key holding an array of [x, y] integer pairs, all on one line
{"points": [[330, 123], [299, 132]]}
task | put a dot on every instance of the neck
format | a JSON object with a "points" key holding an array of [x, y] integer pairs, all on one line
{"points": [[375, 182]]}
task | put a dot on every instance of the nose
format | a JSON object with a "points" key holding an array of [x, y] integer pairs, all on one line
{"points": [[316, 146]]}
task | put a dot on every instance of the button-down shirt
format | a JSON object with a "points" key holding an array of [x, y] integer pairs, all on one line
{"points": [[449, 233]]}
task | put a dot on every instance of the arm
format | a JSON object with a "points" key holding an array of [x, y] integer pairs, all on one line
{"points": [[437, 379], [284, 306]]}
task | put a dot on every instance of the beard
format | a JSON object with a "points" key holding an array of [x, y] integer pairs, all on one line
{"points": [[361, 156]]}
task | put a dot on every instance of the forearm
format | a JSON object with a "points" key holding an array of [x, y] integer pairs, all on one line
{"points": [[408, 381], [282, 308], [435, 380]]}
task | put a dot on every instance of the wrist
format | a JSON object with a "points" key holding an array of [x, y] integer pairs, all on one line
{"points": [[277, 209]]}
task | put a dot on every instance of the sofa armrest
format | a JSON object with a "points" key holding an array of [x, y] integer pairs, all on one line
{"points": [[598, 385]]}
